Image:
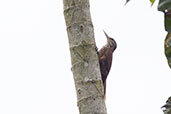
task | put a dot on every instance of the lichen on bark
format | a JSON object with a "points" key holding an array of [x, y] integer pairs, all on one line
{"points": [[84, 59]]}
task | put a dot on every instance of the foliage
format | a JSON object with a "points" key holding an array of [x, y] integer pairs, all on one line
{"points": [[165, 7], [167, 107], [168, 21], [152, 2], [127, 1], [168, 48]]}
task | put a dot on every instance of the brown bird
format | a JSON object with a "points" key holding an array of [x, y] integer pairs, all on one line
{"points": [[105, 59]]}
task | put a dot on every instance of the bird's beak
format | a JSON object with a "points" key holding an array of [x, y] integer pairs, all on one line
{"points": [[106, 34]]}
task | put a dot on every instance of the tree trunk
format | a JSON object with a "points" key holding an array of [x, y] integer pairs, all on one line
{"points": [[85, 65]]}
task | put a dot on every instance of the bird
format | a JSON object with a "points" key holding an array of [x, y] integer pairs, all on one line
{"points": [[105, 55]]}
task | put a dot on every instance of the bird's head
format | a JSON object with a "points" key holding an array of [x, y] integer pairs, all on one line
{"points": [[111, 42]]}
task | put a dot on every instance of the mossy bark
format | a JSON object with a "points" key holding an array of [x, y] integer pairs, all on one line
{"points": [[85, 65]]}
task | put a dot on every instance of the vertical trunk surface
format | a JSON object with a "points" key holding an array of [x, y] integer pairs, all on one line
{"points": [[85, 65]]}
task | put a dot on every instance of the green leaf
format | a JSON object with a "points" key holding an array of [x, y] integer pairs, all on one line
{"points": [[127, 1], [167, 107], [152, 2], [164, 5], [168, 48], [168, 21]]}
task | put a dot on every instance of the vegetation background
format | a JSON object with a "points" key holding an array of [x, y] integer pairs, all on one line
{"points": [[35, 75]]}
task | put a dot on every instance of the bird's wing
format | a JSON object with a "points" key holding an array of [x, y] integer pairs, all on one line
{"points": [[103, 67], [104, 70], [101, 52]]}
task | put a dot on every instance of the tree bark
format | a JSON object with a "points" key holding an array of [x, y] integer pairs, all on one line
{"points": [[84, 59]]}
